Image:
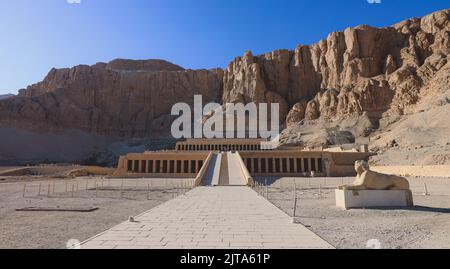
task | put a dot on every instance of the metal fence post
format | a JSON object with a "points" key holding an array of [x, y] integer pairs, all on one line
{"points": [[294, 213], [121, 189]]}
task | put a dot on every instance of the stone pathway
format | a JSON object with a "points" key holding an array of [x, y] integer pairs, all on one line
{"points": [[207, 218], [224, 176], [235, 173]]}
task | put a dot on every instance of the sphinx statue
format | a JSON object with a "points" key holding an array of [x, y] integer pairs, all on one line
{"points": [[370, 180]]}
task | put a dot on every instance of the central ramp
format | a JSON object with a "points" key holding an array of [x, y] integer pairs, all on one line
{"points": [[224, 169], [220, 217], [212, 172], [236, 176], [224, 178]]}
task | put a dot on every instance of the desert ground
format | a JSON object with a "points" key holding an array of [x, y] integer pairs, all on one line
{"points": [[427, 225], [115, 199]]}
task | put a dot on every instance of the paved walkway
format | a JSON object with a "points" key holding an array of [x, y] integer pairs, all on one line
{"points": [[210, 217], [234, 171], [224, 173], [213, 173]]}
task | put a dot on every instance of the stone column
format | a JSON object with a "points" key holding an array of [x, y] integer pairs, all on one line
{"points": [[133, 164], [327, 164]]}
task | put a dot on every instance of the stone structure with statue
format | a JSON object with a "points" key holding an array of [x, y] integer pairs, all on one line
{"points": [[370, 180], [372, 189]]}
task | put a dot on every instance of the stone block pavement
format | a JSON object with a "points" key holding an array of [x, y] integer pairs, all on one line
{"points": [[236, 177], [210, 218]]}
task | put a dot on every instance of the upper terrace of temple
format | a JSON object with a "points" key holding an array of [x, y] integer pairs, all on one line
{"points": [[221, 145]]}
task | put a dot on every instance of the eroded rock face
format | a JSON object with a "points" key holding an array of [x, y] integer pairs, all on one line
{"points": [[109, 100], [361, 71], [142, 65], [5, 96], [312, 110], [297, 113]]}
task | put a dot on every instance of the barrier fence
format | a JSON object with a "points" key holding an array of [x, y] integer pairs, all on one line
{"points": [[136, 189]]}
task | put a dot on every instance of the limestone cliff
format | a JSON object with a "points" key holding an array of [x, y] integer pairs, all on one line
{"points": [[353, 83], [122, 98], [5, 96], [377, 71]]}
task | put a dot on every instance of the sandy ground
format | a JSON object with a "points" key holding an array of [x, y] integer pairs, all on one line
{"points": [[6, 168], [420, 138], [414, 171], [24, 173], [26, 230], [427, 225]]}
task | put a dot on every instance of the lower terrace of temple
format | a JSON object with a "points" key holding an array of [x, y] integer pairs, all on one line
{"points": [[191, 155]]}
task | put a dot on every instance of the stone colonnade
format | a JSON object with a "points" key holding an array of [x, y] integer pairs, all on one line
{"points": [[220, 145], [284, 165], [157, 163], [157, 166]]}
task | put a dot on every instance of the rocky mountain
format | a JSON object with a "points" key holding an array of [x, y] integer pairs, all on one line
{"points": [[360, 70], [354, 84], [5, 96], [123, 98]]}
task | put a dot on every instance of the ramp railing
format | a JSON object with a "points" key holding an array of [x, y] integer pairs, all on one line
{"points": [[248, 178], [201, 174]]}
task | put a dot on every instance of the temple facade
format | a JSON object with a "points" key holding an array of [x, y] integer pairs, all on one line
{"points": [[191, 156]]}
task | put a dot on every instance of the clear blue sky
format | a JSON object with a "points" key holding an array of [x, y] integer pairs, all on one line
{"points": [[36, 35]]}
